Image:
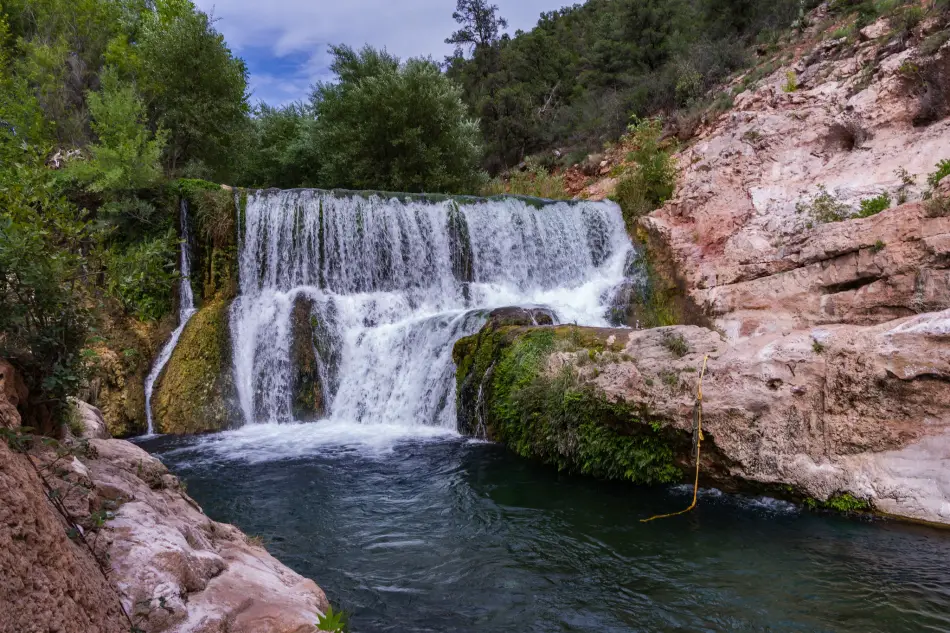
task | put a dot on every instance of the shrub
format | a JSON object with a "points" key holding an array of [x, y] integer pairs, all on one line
{"points": [[141, 276], [937, 207], [933, 43], [942, 171], [873, 206], [791, 82], [653, 181], [535, 181], [824, 207], [676, 344]]}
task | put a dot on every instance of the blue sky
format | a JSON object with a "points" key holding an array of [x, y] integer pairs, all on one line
{"points": [[284, 42]]}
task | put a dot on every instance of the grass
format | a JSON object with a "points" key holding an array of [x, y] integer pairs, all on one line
{"points": [[534, 182], [791, 82], [817, 347]]}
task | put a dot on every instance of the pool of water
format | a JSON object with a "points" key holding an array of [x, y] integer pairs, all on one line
{"points": [[441, 534]]}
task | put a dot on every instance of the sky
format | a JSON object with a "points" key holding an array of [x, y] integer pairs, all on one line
{"points": [[284, 42]]}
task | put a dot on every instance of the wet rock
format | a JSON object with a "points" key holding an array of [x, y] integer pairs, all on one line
{"points": [[308, 398]]}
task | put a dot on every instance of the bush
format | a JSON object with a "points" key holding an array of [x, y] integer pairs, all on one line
{"points": [[791, 82], [873, 206], [847, 134], [534, 181], [142, 276], [824, 208], [933, 43], [942, 171]]}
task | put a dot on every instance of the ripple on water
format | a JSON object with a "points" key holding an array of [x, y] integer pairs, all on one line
{"points": [[434, 533]]}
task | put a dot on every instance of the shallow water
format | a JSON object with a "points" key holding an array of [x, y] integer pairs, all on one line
{"points": [[440, 534]]}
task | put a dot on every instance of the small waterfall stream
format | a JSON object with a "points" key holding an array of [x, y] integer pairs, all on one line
{"points": [[186, 310], [393, 283]]}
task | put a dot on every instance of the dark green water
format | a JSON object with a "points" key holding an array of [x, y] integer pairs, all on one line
{"points": [[445, 535]]}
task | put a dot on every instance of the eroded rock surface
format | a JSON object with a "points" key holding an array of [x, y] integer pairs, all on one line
{"points": [[128, 547]]}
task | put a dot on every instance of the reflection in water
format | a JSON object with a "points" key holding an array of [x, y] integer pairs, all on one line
{"points": [[446, 535]]}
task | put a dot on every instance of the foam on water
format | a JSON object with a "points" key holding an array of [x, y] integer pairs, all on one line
{"points": [[391, 285]]}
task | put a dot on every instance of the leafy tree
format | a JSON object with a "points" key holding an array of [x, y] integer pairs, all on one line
{"points": [[387, 125], [196, 89]]}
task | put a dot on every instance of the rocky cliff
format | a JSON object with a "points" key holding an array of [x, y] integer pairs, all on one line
{"points": [[811, 228], [97, 536]]}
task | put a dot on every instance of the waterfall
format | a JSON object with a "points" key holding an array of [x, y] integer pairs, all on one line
{"points": [[186, 309], [392, 283]]}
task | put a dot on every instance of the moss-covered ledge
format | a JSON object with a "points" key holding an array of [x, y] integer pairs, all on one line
{"points": [[509, 392], [193, 393]]}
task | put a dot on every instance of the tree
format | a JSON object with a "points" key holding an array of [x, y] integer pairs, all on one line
{"points": [[480, 24], [393, 126], [197, 90]]}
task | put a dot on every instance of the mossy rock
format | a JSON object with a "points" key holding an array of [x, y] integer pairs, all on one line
{"points": [[196, 387], [507, 393], [308, 402]]}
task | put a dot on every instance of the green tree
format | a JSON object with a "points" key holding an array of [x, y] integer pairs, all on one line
{"points": [[386, 125], [281, 150], [196, 89], [480, 22]]}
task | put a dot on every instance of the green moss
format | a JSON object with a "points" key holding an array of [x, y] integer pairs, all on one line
{"points": [[841, 502], [307, 399], [192, 394], [558, 420]]}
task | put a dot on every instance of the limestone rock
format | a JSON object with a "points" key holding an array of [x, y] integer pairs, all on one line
{"points": [[194, 392], [835, 409], [307, 400], [90, 421], [176, 570]]}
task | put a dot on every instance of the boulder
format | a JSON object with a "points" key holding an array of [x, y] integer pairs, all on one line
{"points": [[307, 397], [194, 393]]}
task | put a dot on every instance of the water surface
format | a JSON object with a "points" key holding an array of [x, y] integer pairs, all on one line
{"points": [[440, 534]]}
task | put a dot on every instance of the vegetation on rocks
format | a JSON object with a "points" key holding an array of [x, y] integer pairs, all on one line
{"points": [[507, 392], [193, 392]]}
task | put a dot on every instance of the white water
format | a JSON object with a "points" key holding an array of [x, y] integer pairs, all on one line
{"points": [[379, 273], [186, 310]]}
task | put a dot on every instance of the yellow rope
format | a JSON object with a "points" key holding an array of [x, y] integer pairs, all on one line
{"points": [[699, 441]]}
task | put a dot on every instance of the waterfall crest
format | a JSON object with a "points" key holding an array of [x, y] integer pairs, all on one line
{"points": [[186, 310], [393, 283]]}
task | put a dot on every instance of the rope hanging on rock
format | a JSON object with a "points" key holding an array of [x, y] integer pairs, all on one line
{"points": [[698, 435]]}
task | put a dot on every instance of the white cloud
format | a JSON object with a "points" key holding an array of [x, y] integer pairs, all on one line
{"points": [[256, 29]]}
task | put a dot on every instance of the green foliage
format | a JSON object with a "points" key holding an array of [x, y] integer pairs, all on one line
{"points": [[572, 82], [281, 151], [197, 90], [878, 247], [42, 319], [845, 502], [934, 42], [942, 171], [332, 621], [791, 82], [817, 346], [559, 420], [393, 126], [873, 206], [535, 181], [676, 344], [142, 275], [653, 180], [824, 208]]}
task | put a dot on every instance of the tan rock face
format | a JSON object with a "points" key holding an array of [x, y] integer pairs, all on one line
{"points": [[837, 409], [738, 227], [47, 581]]}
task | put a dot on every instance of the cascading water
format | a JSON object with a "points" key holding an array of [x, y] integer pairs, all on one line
{"points": [[186, 301], [393, 283]]}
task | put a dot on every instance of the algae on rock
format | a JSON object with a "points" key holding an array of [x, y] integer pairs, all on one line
{"points": [[307, 399], [508, 392], [193, 392]]}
